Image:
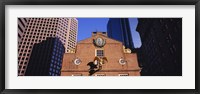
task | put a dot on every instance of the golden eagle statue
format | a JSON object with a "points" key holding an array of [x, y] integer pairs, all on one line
{"points": [[100, 61]]}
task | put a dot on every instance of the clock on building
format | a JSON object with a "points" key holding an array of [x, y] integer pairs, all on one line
{"points": [[99, 42]]}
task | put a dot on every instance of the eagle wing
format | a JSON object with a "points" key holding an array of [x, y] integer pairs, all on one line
{"points": [[104, 58], [96, 58]]}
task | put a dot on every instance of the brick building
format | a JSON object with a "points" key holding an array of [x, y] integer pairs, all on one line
{"points": [[100, 56]]}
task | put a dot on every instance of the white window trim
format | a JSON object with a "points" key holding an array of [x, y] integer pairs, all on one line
{"points": [[99, 49]]}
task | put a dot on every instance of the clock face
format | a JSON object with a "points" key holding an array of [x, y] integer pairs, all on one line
{"points": [[99, 42]]}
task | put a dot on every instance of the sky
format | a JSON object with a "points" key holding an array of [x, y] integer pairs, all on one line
{"points": [[135, 34], [88, 25]]}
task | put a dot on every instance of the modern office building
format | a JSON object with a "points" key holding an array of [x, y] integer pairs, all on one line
{"points": [[161, 50], [46, 58], [119, 29], [100, 55], [38, 29], [22, 23]]}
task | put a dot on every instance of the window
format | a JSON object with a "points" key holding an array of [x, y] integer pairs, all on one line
{"points": [[51, 65], [99, 53], [100, 75], [123, 74], [94, 32], [19, 35], [22, 71], [21, 22], [104, 32], [76, 74]]}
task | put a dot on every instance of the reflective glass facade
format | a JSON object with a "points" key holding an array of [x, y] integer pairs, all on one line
{"points": [[46, 58], [119, 29]]}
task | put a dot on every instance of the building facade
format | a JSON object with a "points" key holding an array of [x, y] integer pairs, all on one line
{"points": [[119, 29], [38, 29], [22, 23], [100, 56], [46, 58], [161, 50]]}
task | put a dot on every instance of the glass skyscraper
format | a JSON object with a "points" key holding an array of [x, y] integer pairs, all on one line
{"points": [[161, 50], [46, 58], [119, 29]]}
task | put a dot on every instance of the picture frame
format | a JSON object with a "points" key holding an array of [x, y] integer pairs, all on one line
{"points": [[98, 2]]}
